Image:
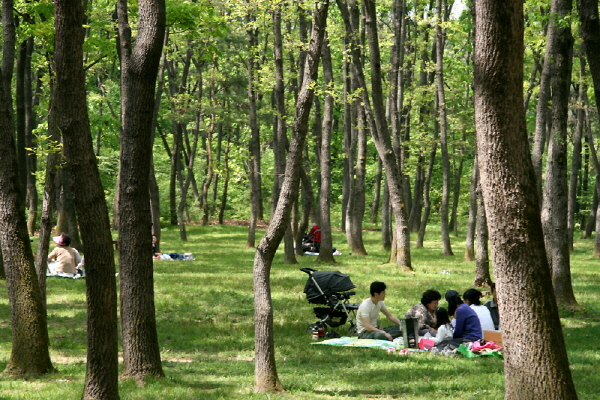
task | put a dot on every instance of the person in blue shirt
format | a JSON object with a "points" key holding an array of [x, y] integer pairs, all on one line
{"points": [[467, 323]]}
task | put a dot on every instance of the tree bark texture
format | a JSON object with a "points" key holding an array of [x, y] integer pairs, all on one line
{"points": [[254, 168], [139, 68], [470, 236], [441, 102], [102, 364], [555, 203], [482, 259], [540, 369], [29, 355], [326, 249], [266, 379]]}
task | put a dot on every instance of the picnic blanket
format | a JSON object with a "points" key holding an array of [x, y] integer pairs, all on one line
{"points": [[355, 342], [464, 350]]}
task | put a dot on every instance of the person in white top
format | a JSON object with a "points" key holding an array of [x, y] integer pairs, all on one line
{"points": [[368, 311], [443, 325], [472, 298]]}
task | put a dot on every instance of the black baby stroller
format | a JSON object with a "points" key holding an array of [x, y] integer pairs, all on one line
{"points": [[330, 288]]}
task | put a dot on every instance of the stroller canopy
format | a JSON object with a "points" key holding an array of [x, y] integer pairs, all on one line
{"points": [[330, 282]]}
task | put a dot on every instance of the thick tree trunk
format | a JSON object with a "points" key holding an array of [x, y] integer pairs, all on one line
{"points": [[29, 355], [102, 364], [266, 379], [540, 369], [470, 237], [139, 68]]}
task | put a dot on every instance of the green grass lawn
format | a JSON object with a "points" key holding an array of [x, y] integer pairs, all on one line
{"points": [[204, 312]]}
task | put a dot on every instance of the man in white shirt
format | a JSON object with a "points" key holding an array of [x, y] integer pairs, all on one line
{"points": [[368, 311]]}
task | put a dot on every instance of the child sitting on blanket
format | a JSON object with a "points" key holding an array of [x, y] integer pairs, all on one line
{"points": [[443, 326]]}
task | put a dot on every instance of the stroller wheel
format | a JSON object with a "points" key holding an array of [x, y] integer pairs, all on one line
{"points": [[312, 327]]}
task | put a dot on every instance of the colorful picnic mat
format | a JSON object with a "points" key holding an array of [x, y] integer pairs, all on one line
{"points": [[355, 342]]}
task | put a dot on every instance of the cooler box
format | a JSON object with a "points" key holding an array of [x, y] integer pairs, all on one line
{"points": [[410, 332], [493, 336]]}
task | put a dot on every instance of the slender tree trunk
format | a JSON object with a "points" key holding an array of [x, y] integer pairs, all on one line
{"points": [[540, 369], [326, 249], [376, 193], [482, 260], [541, 120], [254, 144], [555, 203], [266, 379], [439, 73], [573, 204], [470, 237]]}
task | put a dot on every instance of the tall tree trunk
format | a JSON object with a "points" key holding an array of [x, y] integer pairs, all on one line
{"points": [[102, 363], [280, 134], [541, 369], [326, 249], [254, 144], [541, 121], [226, 177], [590, 33], [482, 260], [555, 203], [470, 237], [29, 355], [139, 69], [266, 379], [356, 202], [439, 73], [573, 204]]}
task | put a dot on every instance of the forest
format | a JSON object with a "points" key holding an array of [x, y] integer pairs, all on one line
{"points": [[131, 116]]}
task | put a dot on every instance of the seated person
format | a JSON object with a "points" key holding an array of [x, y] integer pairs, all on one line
{"points": [[443, 326], [492, 305], [472, 297], [467, 323], [312, 241], [63, 260], [366, 317], [425, 312]]}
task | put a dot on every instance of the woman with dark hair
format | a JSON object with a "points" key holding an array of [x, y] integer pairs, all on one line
{"points": [[444, 327], [473, 299], [425, 311], [467, 323]]}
